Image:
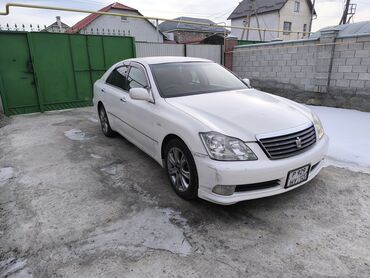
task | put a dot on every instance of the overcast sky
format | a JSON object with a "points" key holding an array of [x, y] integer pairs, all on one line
{"points": [[329, 11]]}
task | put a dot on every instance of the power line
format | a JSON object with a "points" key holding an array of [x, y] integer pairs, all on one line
{"points": [[225, 12]]}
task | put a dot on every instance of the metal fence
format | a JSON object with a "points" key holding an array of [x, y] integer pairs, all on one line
{"points": [[42, 71], [57, 29]]}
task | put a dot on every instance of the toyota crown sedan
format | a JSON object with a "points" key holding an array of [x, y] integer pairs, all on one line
{"points": [[217, 137]]}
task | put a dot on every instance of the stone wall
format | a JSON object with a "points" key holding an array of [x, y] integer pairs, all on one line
{"points": [[185, 36], [330, 70]]}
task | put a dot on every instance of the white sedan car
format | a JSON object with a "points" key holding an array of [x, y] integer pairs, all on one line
{"points": [[218, 138]]}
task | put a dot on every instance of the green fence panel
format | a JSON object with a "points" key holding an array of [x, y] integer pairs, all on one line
{"points": [[117, 50], [54, 69], [97, 58], [17, 83], [49, 71], [81, 67]]}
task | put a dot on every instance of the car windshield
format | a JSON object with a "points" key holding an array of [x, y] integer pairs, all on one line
{"points": [[190, 78]]}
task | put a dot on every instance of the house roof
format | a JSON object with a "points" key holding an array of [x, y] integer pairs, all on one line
{"points": [[344, 30], [90, 18], [168, 26], [55, 25], [262, 6]]}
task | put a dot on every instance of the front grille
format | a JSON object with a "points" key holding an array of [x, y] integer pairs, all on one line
{"points": [[256, 186], [290, 144]]}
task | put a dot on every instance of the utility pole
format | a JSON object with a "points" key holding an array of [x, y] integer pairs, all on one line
{"points": [[258, 25], [312, 15], [247, 22], [345, 13]]}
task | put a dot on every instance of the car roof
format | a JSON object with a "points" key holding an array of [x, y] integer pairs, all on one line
{"points": [[166, 59]]}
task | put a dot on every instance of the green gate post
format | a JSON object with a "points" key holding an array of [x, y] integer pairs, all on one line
{"points": [[35, 67], [3, 97], [90, 68], [133, 47]]}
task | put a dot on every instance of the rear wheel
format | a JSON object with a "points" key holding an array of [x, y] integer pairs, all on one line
{"points": [[181, 169], [104, 122]]}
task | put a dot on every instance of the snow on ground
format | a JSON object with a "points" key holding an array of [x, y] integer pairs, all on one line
{"points": [[349, 133], [77, 135], [5, 174]]}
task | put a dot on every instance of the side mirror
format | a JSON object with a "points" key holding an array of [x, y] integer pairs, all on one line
{"points": [[140, 94], [248, 82]]}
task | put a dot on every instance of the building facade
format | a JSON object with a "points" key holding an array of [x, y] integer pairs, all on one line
{"points": [[187, 32], [141, 29], [289, 15], [57, 27]]}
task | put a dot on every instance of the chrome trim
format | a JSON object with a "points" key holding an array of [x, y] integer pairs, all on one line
{"points": [[279, 145], [284, 132]]}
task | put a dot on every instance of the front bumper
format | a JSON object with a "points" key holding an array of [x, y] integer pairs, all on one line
{"points": [[212, 173]]}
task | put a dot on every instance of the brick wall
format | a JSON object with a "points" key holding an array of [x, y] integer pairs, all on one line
{"points": [[330, 71]]}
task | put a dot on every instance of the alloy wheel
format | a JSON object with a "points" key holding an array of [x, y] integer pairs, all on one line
{"points": [[104, 121], [178, 169]]}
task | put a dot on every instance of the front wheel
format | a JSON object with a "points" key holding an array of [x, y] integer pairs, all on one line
{"points": [[181, 169]]}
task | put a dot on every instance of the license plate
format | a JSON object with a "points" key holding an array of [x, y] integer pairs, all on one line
{"points": [[297, 176]]}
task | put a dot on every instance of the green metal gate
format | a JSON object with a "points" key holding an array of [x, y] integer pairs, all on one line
{"points": [[48, 71]]}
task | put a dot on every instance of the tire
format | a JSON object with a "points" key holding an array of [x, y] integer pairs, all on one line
{"points": [[181, 169], [104, 123]]}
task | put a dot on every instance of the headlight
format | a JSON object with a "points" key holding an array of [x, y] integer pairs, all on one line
{"points": [[222, 147], [318, 125]]}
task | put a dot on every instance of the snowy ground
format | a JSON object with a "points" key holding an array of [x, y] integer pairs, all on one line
{"points": [[349, 132], [74, 203]]}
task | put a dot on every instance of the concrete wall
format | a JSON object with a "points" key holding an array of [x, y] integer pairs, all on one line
{"points": [[141, 29], [327, 71]]}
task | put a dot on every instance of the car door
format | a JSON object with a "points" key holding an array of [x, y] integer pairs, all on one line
{"points": [[115, 94], [140, 114]]}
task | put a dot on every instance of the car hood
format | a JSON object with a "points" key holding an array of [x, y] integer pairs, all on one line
{"points": [[243, 113]]}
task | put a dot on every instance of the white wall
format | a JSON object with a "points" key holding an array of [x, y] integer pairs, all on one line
{"points": [[147, 49], [275, 20], [205, 51], [266, 20], [298, 19], [141, 29]]}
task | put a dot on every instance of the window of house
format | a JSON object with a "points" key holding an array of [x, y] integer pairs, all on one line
{"points": [[304, 29], [124, 18], [297, 6], [287, 27], [137, 78], [118, 78]]}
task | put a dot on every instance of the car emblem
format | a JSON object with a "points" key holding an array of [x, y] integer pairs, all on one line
{"points": [[298, 142]]}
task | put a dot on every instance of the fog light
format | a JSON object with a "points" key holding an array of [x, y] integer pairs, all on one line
{"points": [[225, 190]]}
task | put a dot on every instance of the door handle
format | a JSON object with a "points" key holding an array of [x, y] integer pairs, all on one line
{"points": [[123, 99]]}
